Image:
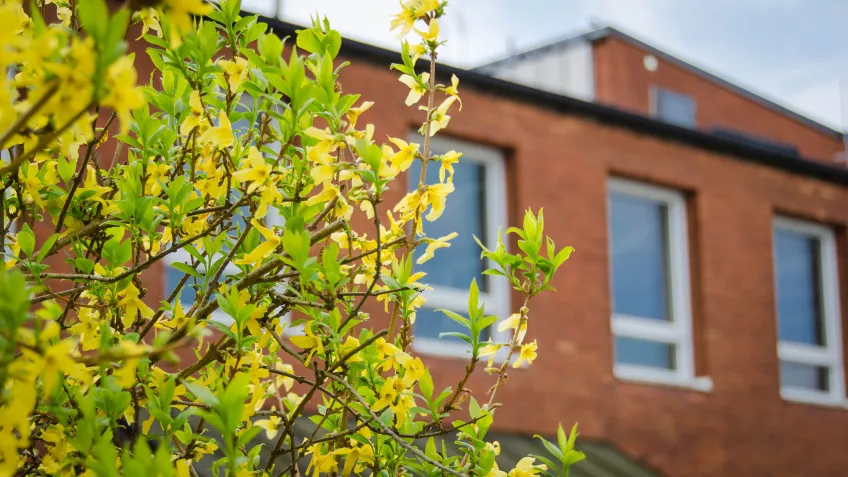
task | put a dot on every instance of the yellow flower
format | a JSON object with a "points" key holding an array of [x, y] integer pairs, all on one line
{"points": [[133, 305], [269, 195], [91, 184], [180, 13], [282, 382], [447, 162], [349, 345], [32, 184], [490, 350], [433, 244], [417, 51], [496, 472], [414, 370], [439, 119], [416, 89], [495, 447], [405, 155], [157, 176], [423, 7], [235, 72], [124, 95], [390, 390], [388, 352], [436, 196], [525, 468], [271, 425], [255, 170], [149, 21], [512, 323], [453, 90], [264, 249], [308, 342], [404, 20], [355, 453], [65, 15], [196, 117], [56, 360], [528, 353], [354, 113], [432, 34], [88, 328], [321, 463], [220, 136]]}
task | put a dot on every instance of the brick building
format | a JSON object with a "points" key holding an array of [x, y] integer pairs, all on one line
{"points": [[697, 328]]}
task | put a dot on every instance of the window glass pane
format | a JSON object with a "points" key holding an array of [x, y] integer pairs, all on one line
{"points": [[429, 323], [172, 279], [797, 375], [457, 265], [644, 353], [639, 236], [797, 267], [675, 108]]}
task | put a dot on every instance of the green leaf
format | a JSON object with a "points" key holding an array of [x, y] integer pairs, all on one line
{"points": [[473, 298], [201, 392], [425, 384], [554, 450], [473, 408], [456, 335], [26, 240], [187, 269], [248, 436], [465, 322], [94, 16], [562, 440]]}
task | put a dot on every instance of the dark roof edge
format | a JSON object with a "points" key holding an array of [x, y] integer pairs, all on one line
{"points": [[609, 31], [601, 113]]}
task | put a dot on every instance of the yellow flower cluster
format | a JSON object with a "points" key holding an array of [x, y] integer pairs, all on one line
{"points": [[244, 175]]}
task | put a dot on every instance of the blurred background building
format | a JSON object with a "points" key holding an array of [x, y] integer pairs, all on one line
{"points": [[697, 330]]}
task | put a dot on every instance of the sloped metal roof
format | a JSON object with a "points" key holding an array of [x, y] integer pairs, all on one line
{"points": [[608, 31]]}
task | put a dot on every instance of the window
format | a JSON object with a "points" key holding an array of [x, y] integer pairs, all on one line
{"points": [[651, 317], [477, 208], [809, 338], [187, 295], [173, 275], [674, 108]]}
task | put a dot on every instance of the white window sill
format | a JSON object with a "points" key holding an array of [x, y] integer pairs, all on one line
{"points": [[801, 396], [643, 375]]}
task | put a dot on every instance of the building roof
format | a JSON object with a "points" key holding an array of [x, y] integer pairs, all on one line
{"points": [[607, 32], [743, 150]]}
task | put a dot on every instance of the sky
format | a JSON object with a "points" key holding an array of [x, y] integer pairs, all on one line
{"points": [[793, 52]]}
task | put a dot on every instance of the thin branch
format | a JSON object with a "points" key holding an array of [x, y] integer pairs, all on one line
{"points": [[78, 179], [42, 143], [21, 122], [388, 431]]}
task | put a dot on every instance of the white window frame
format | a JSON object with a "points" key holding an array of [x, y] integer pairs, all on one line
{"points": [[678, 331], [830, 355], [456, 299]]}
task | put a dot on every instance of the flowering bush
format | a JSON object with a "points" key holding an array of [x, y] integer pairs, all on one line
{"points": [[235, 127]]}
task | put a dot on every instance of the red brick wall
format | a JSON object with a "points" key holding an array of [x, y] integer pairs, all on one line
{"points": [[562, 163], [742, 427], [622, 80]]}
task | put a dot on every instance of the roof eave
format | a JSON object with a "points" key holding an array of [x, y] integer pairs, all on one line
{"points": [[598, 112]]}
